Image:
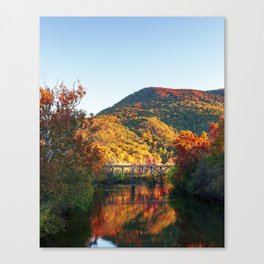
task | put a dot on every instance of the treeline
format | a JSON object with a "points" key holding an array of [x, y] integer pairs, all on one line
{"points": [[199, 162]]}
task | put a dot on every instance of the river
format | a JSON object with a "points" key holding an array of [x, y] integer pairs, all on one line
{"points": [[142, 215]]}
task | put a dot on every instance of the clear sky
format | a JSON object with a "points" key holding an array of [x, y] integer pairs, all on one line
{"points": [[116, 56]]}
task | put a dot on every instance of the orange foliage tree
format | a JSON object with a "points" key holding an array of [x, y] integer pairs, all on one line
{"points": [[190, 148], [200, 161], [216, 136], [59, 120]]}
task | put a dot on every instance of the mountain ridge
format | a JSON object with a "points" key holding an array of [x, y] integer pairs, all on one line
{"points": [[182, 109], [165, 91]]}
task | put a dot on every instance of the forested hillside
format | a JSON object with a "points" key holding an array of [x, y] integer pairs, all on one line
{"points": [[155, 116], [115, 143], [181, 109]]}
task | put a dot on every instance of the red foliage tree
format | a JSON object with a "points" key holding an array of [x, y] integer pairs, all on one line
{"points": [[216, 136], [190, 148]]}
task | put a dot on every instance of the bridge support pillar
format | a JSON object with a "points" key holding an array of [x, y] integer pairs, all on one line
{"points": [[152, 172], [133, 171]]}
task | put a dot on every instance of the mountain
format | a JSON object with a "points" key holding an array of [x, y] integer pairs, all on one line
{"points": [[179, 109], [142, 126]]}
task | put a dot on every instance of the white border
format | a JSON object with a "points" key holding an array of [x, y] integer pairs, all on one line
{"points": [[19, 40]]}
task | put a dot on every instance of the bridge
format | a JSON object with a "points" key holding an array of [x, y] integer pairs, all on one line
{"points": [[139, 169]]}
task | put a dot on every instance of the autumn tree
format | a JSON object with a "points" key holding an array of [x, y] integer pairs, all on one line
{"points": [[200, 162], [59, 119], [64, 176], [189, 149], [216, 136]]}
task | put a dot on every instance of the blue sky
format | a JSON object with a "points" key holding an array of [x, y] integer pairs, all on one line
{"points": [[116, 56]]}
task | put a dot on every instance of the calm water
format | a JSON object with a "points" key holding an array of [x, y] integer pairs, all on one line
{"points": [[143, 216]]}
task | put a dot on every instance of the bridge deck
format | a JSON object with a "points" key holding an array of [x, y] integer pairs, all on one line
{"points": [[141, 168]]}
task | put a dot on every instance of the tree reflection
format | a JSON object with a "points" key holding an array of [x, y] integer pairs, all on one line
{"points": [[143, 216], [132, 212]]}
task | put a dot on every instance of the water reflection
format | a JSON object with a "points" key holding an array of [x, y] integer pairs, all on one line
{"points": [[142, 216], [95, 242], [141, 206]]}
